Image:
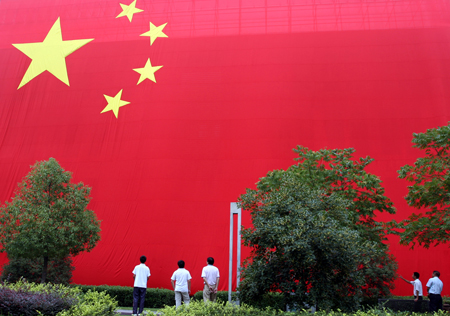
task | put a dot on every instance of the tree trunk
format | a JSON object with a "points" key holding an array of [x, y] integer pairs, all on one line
{"points": [[44, 270]]}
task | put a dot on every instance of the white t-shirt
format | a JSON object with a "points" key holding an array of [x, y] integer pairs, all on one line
{"points": [[435, 285], [181, 277], [211, 273], [141, 272], [417, 287]]}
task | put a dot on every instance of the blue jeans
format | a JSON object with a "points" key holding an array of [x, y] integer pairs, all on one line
{"points": [[138, 299]]}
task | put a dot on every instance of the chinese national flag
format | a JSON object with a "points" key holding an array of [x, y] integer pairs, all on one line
{"points": [[170, 109]]}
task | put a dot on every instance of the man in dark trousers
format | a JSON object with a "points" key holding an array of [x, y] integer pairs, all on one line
{"points": [[418, 292], [434, 288], [141, 273]]}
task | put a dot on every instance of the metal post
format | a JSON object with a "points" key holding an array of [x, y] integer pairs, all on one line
{"points": [[234, 210], [230, 262], [238, 259]]}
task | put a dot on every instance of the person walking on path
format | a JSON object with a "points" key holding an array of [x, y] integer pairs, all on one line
{"points": [[181, 283], [141, 273], [211, 278], [418, 292], [434, 288]]}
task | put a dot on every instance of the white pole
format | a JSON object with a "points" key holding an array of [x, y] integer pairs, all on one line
{"points": [[230, 261], [234, 210], [238, 265]]}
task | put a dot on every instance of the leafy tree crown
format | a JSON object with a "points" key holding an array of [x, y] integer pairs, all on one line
{"points": [[48, 215]]}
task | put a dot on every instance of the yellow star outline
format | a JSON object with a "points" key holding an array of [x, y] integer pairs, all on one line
{"points": [[155, 32], [49, 55], [114, 103], [148, 72], [129, 10]]}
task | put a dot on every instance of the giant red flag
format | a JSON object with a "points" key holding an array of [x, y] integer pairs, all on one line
{"points": [[170, 109]]}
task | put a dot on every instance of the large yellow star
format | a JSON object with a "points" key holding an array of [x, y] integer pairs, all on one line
{"points": [[148, 72], [129, 10], [155, 32], [49, 55], [114, 103]]}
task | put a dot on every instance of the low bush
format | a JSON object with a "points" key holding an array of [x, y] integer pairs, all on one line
{"points": [[31, 299], [92, 304], [445, 299], [276, 300], [221, 296], [271, 299], [154, 298], [403, 305], [198, 308]]}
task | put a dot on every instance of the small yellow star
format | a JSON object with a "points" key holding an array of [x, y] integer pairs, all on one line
{"points": [[114, 103], [155, 32], [49, 55], [129, 10], [148, 72]]}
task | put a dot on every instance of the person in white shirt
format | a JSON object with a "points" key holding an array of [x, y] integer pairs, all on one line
{"points": [[418, 292], [434, 288], [181, 283], [211, 278], [141, 273]]}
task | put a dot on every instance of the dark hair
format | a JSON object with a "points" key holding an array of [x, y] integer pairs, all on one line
{"points": [[416, 274], [181, 264], [143, 259], [210, 260], [437, 273]]}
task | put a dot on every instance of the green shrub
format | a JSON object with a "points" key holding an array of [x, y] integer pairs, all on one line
{"points": [[154, 298], [123, 294], [221, 296], [445, 299], [59, 271], [158, 298], [23, 298], [271, 299], [199, 308], [92, 304]]}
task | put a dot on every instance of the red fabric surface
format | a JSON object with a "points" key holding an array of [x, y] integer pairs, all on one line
{"points": [[242, 83]]}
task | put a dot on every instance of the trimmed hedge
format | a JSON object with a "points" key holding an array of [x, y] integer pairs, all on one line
{"points": [[221, 296], [154, 298], [158, 298], [402, 305], [273, 300], [197, 308]]}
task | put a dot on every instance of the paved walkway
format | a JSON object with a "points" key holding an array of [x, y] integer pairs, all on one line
{"points": [[129, 312]]}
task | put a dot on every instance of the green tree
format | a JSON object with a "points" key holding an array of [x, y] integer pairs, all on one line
{"points": [[302, 245], [48, 217], [336, 172], [430, 190]]}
